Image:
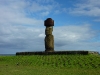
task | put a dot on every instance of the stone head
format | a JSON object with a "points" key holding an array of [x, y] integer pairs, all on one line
{"points": [[48, 30]]}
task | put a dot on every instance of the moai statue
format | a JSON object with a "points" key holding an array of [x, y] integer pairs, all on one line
{"points": [[49, 38]]}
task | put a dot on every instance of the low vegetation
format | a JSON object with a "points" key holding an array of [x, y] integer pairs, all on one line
{"points": [[50, 65]]}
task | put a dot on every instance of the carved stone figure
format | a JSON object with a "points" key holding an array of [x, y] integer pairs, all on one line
{"points": [[49, 38]]}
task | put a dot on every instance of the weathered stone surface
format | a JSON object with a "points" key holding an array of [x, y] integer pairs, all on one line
{"points": [[49, 22], [48, 30], [93, 52], [49, 38], [49, 43], [56, 53]]}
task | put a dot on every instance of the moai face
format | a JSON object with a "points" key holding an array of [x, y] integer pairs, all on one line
{"points": [[48, 30]]}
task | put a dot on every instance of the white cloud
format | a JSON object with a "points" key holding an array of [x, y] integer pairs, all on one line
{"points": [[36, 7], [42, 35], [45, 13], [97, 20], [75, 38], [14, 38], [25, 12], [45, 1], [13, 13], [19, 38], [75, 33], [57, 11], [20, 26], [20, 30], [87, 7]]}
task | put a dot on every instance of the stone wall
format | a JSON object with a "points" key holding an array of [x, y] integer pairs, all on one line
{"points": [[58, 53]]}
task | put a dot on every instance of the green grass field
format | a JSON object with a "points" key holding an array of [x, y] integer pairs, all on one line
{"points": [[50, 65]]}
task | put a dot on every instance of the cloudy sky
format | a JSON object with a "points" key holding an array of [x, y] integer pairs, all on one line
{"points": [[22, 25]]}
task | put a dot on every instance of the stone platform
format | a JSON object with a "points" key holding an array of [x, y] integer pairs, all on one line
{"points": [[58, 53]]}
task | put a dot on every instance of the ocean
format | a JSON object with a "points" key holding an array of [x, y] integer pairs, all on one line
{"points": [[7, 54]]}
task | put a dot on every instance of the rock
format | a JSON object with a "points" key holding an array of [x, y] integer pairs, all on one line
{"points": [[49, 38]]}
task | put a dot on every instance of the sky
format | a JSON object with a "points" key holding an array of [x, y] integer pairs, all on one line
{"points": [[76, 25]]}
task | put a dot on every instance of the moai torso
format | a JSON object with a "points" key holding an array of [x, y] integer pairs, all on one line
{"points": [[49, 39]]}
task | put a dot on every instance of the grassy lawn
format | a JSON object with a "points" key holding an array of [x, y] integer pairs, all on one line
{"points": [[50, 65]]}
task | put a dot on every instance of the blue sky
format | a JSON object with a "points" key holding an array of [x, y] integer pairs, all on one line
{"points": [[22, 25]]}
